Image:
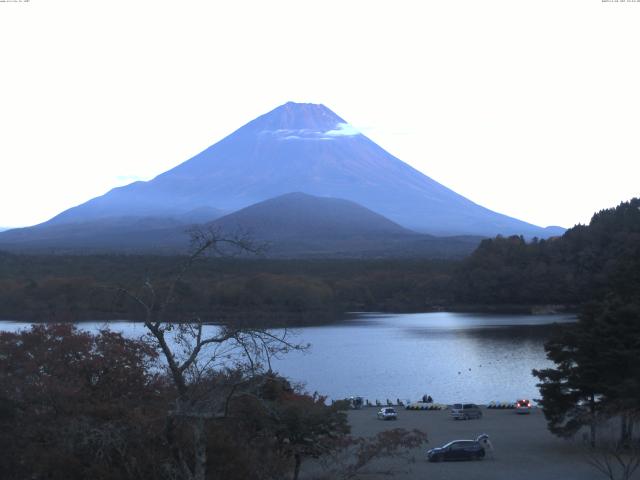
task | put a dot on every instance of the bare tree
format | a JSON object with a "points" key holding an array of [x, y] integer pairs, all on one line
{"points": [[194, 353], [352, 455], [614, 461], [617, 454]]}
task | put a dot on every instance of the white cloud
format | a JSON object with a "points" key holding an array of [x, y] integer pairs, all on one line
{"points": [[343, 130], [291, 134], [340, 130]]}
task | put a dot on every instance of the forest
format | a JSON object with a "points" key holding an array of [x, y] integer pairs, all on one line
{"points": [[73, 288], [502, 274]]}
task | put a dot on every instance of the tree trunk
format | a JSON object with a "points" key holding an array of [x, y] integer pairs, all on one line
{"points": [[199, 449], [626, 430], [592, 425], [296, 469], [176, 452]]}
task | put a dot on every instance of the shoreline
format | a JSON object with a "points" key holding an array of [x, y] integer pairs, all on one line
{"points": [[307, 319]]}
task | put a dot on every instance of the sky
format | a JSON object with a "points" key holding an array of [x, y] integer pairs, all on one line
{"points": [[529, 108]]}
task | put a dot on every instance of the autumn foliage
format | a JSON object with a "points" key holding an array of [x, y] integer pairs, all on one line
{"points": [[77, 405]]}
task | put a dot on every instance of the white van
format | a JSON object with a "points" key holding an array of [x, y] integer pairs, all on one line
{"points": [[465, 411]]}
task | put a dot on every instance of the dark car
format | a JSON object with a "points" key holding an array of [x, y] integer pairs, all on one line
{"points": [[457, 450]]}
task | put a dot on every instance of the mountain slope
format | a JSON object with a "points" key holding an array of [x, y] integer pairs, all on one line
{"points": [[305, 148], [294, 225], [298, 215], [301, 225], [122, 234]]}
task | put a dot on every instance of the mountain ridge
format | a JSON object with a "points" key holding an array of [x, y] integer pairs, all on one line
{"points": [[299, 214], [294, 225]]}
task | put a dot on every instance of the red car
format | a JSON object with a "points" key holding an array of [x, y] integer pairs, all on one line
{"points": [[523, 406]]}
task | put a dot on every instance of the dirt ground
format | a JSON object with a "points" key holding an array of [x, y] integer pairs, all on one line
{"points": [[523, 447]]}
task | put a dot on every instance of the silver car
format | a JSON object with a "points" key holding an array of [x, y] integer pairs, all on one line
{"points": [[465, 411], [387, 413]]}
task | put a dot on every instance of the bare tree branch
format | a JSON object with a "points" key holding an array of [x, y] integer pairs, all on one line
{"points": [[192, 365]]}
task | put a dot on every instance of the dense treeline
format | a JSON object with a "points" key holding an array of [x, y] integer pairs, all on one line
{"points": [[584, 264], [62, 288], [503, 273]]}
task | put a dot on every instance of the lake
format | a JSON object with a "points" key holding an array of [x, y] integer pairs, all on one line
{"points": [[454, 357]]}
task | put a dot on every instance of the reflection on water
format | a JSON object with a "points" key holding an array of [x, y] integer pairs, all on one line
{"points": [[453, 357]]}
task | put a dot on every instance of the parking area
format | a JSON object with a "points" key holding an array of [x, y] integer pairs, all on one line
{"points": [[524, 448]]}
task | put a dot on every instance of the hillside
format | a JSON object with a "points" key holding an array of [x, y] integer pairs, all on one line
{"points": [[298, 224], [122, 234], [294, 225], [586, 263]]}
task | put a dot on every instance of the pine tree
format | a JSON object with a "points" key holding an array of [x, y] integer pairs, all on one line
{"points": [[597, 373], [571, 393]]}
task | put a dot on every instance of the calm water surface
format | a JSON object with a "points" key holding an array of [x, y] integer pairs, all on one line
{"points": [[454, 357]]}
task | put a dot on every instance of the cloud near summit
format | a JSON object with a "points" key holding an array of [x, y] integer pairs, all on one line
{"points": [[343, 130], [340, 130]]}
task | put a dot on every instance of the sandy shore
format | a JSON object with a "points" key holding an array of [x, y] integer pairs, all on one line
{"points": [[524, 449]]}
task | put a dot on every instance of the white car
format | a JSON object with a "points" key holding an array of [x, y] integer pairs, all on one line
{"points": [[387, 413]]}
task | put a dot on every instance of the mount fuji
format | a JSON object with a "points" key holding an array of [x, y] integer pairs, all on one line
{"points": [[297, 147]]}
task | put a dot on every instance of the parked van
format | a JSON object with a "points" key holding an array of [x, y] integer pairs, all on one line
{"points": [[465, 411]]}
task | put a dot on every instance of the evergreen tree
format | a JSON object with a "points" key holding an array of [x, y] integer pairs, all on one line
{"points": [[571, 393], [597, 373]]}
